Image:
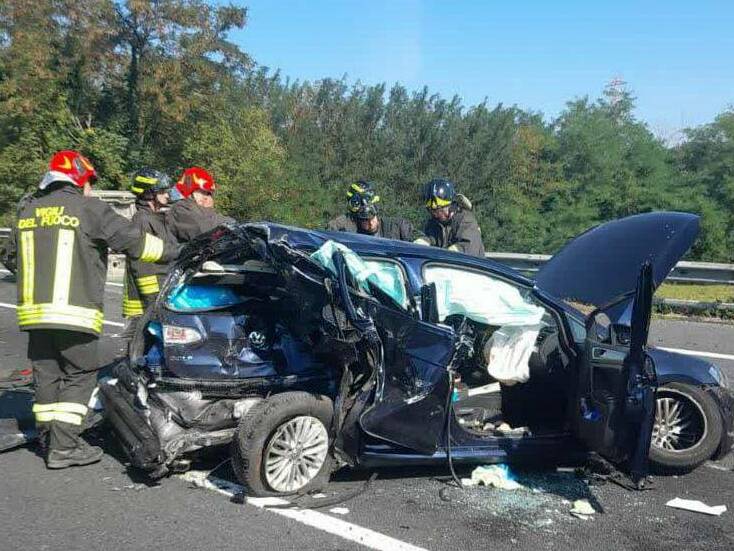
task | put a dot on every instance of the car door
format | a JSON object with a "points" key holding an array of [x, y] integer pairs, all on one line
{"points": [[617, 383], [409, 407]]}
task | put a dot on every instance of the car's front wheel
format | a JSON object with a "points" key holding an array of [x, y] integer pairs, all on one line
{"points": [[687, 428], [282, 445]]}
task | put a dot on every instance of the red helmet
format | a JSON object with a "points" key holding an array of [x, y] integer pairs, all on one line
{"points": [[195, 179], [69, 166]]}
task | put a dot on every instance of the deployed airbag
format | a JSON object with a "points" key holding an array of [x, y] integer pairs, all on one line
{"points": [[492, 302], [382, 275]]}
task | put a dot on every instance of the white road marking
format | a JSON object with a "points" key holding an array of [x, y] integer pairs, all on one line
{"points": [[110, 323], [712, 465], [320, 521], [714, 355]]}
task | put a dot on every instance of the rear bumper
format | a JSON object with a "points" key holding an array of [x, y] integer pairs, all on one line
{"points": [[150, 440], [137, 438]]}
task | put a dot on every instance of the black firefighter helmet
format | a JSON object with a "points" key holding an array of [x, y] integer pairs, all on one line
{"points": [[362, 199], [439, 193], [147, 182]]}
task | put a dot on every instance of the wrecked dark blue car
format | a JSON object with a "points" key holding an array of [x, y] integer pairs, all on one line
{"points": [[308, 350]]}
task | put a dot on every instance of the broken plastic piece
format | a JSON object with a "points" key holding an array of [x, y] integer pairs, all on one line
{"points": [[582, 509], [498, 476], [491, 388], [696, 506], [506, 429]]}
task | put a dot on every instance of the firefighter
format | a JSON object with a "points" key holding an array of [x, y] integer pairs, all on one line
{"points": [[194, 214], [143, 279], [363, 216], [62, 239], [451, 224]]}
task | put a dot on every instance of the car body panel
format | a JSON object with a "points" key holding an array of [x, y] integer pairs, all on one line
{"points": [[602, 264], [671, 366], [410, 398]]}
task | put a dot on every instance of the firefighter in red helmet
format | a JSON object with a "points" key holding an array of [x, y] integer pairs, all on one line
{"points": [[62, 237], [194, 214]]}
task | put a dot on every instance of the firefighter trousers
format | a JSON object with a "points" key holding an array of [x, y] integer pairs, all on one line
{"points": [[65, 369]]}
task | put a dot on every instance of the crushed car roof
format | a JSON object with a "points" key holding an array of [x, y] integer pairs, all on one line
{"points": [[302, 238]]}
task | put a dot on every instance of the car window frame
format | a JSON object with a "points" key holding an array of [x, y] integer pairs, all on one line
{"points": [[409, 305]]}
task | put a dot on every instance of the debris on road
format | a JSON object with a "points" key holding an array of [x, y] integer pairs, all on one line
{"points": [[339, 510], [17, 427], [582, 509], [497, 476], [696, 506]]}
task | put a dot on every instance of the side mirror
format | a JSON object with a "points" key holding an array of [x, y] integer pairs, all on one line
{"points": [[429, 303]]}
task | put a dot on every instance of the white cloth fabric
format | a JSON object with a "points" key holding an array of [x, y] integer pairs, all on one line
{"points": [[507, 353]]}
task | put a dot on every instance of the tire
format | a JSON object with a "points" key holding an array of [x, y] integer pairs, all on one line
{"points": [[699, 414], [259, 444]]}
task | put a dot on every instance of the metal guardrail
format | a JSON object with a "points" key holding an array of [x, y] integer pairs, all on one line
{"points": [[684, 272], [529, 264]]}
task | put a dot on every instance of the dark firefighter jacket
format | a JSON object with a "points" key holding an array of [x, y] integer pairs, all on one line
{"points": [[186, 220], [62, 239], [390, 228], [143, 280], [460, 233]]}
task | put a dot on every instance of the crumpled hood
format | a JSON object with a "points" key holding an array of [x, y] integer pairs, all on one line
{"points": [[602, 264]]}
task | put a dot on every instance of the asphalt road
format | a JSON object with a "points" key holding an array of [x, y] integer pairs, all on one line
{"points": [[107, 506]]}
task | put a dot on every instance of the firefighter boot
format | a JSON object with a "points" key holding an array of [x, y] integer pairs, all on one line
{"points": [[83, 454]]}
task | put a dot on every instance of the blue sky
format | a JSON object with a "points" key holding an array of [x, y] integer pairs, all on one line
{"points": [[677, 56]]}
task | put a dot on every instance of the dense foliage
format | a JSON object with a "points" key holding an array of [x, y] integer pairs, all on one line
{"points": [[158, 83]]}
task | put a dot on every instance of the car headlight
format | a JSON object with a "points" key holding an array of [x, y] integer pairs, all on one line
{"points": [[719, 376]]}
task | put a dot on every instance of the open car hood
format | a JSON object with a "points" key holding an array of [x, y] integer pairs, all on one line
{"points": [[602, 265]]}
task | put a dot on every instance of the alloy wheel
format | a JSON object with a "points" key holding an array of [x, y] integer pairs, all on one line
{"points": [[680, 422], [296, 453]]}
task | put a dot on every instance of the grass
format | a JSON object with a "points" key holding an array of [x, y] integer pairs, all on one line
{"points": [[702, 293]]}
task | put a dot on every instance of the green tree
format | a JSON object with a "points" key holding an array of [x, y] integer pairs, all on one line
{"points": [[243, 154]]}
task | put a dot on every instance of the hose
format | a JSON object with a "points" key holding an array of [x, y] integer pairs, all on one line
{"points": [[449, 412], [329, 502]]}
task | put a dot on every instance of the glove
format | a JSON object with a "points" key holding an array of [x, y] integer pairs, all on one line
{"points": [[422, 241]]}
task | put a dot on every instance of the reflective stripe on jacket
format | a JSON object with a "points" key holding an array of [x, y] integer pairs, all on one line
{"points": [[143, 280]]}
